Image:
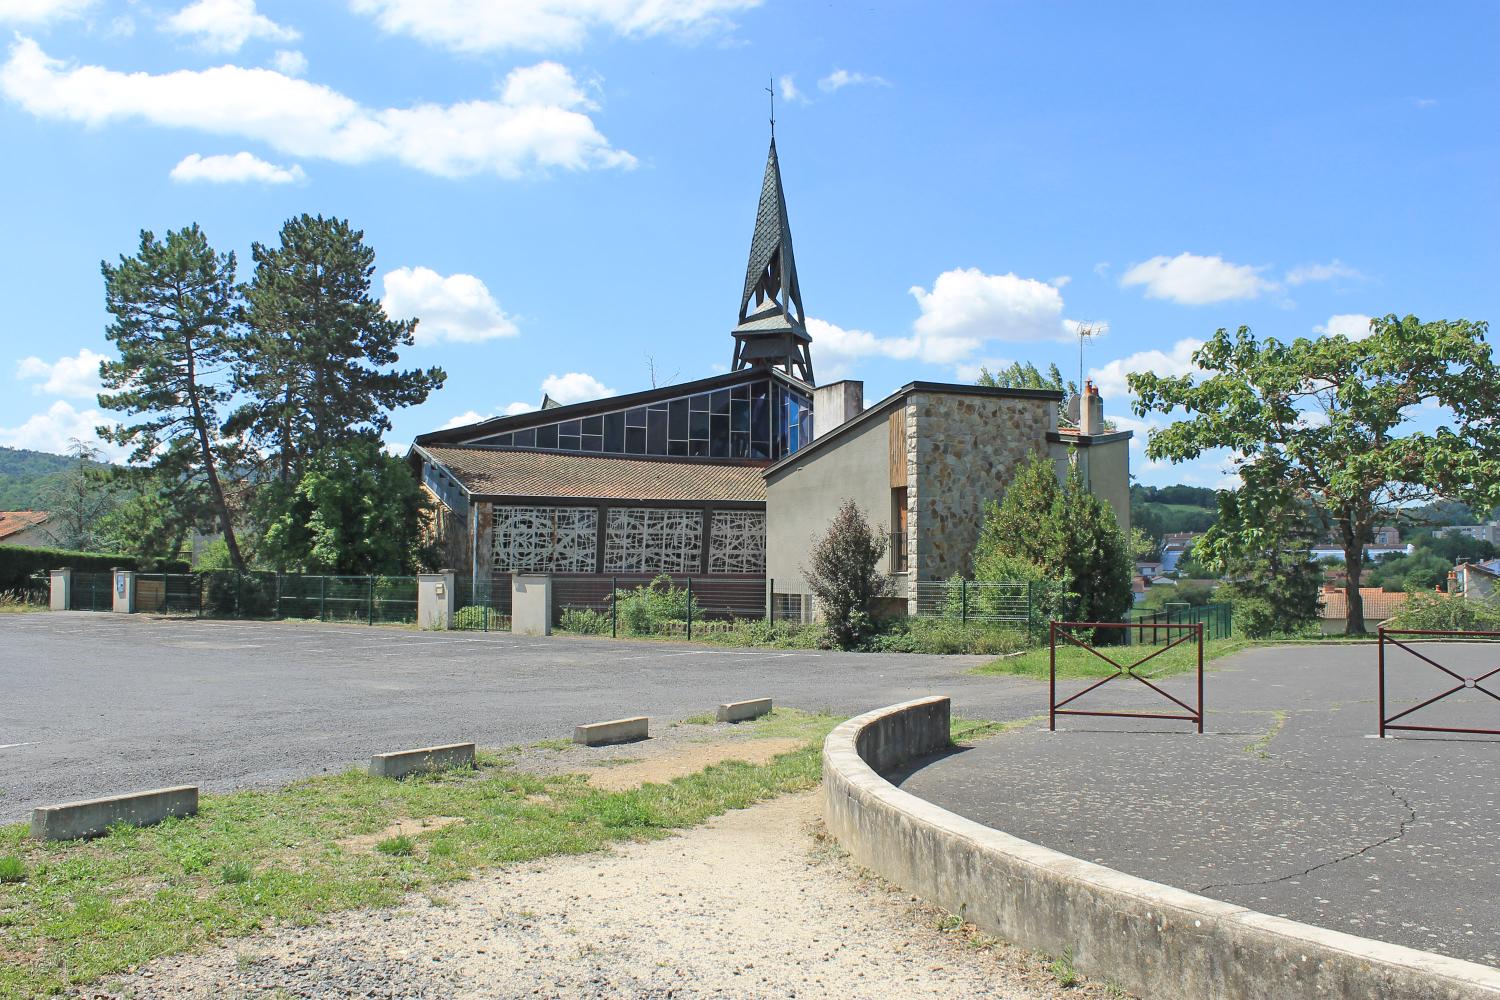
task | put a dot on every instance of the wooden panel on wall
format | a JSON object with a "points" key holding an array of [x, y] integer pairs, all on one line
{"points": [[898, 447]]}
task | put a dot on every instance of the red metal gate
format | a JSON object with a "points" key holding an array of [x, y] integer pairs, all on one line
{"points": [[1477, 683], [1187, 633]]}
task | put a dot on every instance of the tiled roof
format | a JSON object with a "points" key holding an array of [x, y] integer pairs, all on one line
{"points": [[503, 472], [14, 521], [1379, 604]]}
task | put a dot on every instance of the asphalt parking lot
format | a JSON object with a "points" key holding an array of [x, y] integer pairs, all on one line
{"points": [[1287, 804], [97, 704]]}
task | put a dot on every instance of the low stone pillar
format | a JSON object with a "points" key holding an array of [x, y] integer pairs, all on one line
{"points": [[124, 591], [530, 604], [435, 596], [62, 589]]}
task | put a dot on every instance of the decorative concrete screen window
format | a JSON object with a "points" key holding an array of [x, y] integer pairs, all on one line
{"points": [[546, 539], [649, 540], [738, 542]]}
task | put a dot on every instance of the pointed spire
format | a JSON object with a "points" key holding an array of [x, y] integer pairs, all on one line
{"points": [[774, 332]]}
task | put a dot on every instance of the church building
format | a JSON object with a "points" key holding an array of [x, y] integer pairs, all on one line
{"points": [[729, 479]]}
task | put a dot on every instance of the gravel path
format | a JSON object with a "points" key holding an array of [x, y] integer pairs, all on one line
{"points": [[751, 905]]}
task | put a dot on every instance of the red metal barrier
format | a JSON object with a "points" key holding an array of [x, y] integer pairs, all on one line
{"points": [[1477, 683], [1189, 632]]}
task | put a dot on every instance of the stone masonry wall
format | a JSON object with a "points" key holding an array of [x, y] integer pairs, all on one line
{"points": [[962, 451]]}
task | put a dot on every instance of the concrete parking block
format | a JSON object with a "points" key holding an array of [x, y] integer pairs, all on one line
{"points": [[596, 734], [740, 711], [92, 817], [401, 763]]}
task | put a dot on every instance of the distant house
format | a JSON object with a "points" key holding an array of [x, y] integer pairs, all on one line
{"points": [[24, 527], [1477, 581], [1329, 552], [1175, 545], [1138, 588], [1479, 532], [1387, 536], [1148, 569], [1379, 605]]}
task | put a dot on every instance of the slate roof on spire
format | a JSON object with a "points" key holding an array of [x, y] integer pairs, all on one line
{"points": [[772, 269]]}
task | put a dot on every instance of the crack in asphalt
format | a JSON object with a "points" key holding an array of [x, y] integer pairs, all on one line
{"points": [[1411, 817]]}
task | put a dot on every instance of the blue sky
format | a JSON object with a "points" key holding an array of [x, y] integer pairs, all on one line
{"points": [[560, 188]]}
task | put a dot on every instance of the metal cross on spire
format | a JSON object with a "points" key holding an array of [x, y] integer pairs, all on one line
{"points": [[772, 91]]}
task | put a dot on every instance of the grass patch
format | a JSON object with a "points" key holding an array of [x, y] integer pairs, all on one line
{"points": [[1063, 971], [257, 859], [1075, 662], [400, 846], [701, 719], [973, 730], [12, 869]]}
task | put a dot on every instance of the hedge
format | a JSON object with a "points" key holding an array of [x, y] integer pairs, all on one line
{"points": [[18, 564]]}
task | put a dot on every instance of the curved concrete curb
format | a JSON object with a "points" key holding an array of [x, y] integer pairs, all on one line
{"points": [[1154, 940]]}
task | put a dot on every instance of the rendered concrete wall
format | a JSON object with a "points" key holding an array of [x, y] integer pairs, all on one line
{"points": [[1106, 470], [123, 592], [435, 600], [92, 817], [801, 501], [531, 604], [61, 591], [1153, 939], [836, 403], [424, 760]]}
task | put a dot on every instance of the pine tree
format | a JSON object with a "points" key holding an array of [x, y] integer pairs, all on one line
{"points": [[317, 360], [176, 311]]}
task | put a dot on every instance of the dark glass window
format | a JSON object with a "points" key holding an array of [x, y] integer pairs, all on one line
{"points": [[635, 440], [546, 437], [698, 447], [569, 428], [679, 448], [719, 439], [504, 440], [614, 432], [698, 425], [739, 445], [720, 402], [677, 422], [526, 439], [741, 392], [656, 432], [593, 425], [635, 417], [739, 416], [593, 442], [699, 403]]}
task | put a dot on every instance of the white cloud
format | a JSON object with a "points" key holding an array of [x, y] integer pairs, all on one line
{"points": [[1194, 280], [967, 307], [841, 78], [235, 169], [289, 62], [59, 424], [1110, 378], [457, 308], [1321, 272], [465, 418], [575, 387], [517, 408], [789, 91], [1355, 326], [76, 376], [508, 136], [39, 12], [226, 25], [542, 25]]}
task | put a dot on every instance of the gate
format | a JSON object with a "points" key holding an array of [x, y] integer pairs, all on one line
{"points": [[92, 592], [1386, 635], [1192, 632]]}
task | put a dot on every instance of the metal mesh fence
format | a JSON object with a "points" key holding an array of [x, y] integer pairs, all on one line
{"points": [[1217, 621], [483, 606], [666, 606]]}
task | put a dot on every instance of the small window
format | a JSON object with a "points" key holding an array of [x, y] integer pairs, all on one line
{"points": [[593, 425], [526, 438], [546, 437], [899, 515], [614, 432]]}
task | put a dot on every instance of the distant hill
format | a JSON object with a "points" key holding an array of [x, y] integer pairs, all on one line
{"points": [[26, 475], [1160, 510]]}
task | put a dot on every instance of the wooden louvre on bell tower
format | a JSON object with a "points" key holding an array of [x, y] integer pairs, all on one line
{"points": [[772, 331]]}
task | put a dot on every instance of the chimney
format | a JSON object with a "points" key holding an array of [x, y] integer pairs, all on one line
{"points": [[835, 404], [1091, 410]]}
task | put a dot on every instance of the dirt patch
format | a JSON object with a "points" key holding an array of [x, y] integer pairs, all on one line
{"points": [[750, 905], [400, 828], [688, 760]]}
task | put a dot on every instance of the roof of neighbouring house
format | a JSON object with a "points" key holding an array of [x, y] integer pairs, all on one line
{"points": [[13, 522], [503, 472], [1379, 604]]}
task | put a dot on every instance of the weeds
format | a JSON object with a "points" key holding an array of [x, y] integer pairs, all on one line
{"points": [[12, 869], [1063, 971], [399, 846], [234, 873]]}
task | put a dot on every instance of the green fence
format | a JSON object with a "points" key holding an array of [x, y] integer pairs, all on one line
{"points": [[91, 592], [1217, 621], [481, 606], [367, 600]]}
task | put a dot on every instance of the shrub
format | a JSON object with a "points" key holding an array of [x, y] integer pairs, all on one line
{"points": [[646, 608], [1431, 610], [584, 621], [946, 635], [475, 617], [19, 563], [844, 575]]}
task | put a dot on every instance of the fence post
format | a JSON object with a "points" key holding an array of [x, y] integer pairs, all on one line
{"points": [[1200, 677], [322, 598], [963, 603], [771, 600], [1380, 640], [370, 598], [690, 608], [614, 607]]}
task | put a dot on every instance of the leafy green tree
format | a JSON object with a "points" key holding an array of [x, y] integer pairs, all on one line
{"points": [[175, 312], [1326, 425], [1066, 534], [77, 500], [316, 364], [1274, 581], [844, 575], [355, 511], [1019, 375], [156, 514], [1422, 570]]}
